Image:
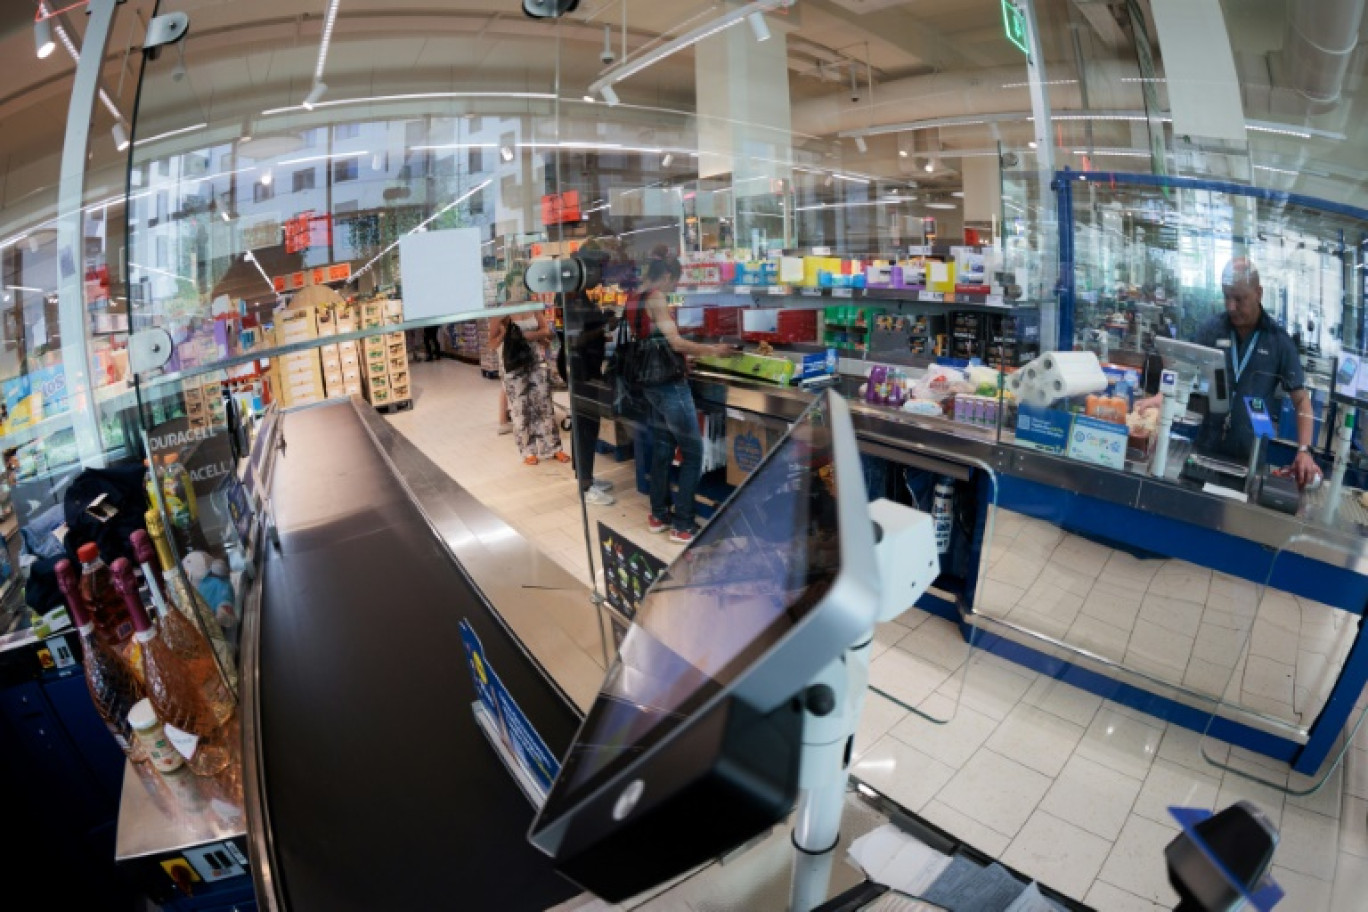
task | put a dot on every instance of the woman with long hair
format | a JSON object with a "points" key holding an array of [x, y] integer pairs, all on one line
{"points": [[528, 388]]}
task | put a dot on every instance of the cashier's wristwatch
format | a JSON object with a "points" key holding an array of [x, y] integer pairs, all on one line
{"points": [[1303, 449]]}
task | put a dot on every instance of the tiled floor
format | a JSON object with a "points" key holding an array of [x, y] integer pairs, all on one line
{"points": [[1062, 785], [1214, 634]]}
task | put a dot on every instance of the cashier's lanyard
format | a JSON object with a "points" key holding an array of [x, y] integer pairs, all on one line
{"points": [[1239, 364]]}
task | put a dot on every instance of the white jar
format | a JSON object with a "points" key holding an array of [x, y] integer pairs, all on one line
{"points": [[148, 729]]}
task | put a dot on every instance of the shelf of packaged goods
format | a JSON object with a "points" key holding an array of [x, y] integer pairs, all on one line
{"points": [[912, 295]]}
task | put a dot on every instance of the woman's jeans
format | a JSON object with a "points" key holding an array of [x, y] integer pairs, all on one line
{"points": [[674, 422]]}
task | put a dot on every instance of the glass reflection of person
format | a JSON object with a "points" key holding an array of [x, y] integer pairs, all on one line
{"points": [[1261, 356]]}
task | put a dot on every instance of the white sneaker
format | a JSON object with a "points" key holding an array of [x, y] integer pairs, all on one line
{"points": [[602, 484], [599, 497]]}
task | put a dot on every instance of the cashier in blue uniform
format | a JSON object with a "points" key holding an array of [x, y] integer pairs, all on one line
{"points": [[1260, 358]]}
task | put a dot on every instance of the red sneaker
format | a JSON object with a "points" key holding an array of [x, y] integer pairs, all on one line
{"points": [[682, 536], [656, 525]]}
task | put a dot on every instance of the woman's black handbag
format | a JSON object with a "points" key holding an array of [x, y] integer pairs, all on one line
{"points": [[650, 361], [517, 351]]}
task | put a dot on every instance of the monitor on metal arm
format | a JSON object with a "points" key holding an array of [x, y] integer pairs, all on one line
{"points": [[692, 746]]}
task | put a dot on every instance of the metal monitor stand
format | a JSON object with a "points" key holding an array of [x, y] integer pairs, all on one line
{"points": [[905, 551]]}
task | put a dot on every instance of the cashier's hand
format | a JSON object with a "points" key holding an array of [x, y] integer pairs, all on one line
{"points": [[1304, 470], [721, 350]]}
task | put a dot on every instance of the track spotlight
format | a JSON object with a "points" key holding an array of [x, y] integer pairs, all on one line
{"points": [[861, 144], [665, 162], [506, 153], [120, 135], [267, 177], [758, 26], [929, 167], [609, 95], [315, 95]]}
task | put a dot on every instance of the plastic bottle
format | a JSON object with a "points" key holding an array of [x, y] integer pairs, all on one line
{"points": [[149, 732], [878, 376], [179, 494], [943, 512]]}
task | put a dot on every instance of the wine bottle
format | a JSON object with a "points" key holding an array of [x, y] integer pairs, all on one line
{"points": [[177, 591], [112, 622], [113, 687], [183, 706], [182, 635]]}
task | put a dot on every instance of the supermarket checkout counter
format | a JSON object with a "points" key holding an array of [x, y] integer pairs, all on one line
{"points": [[369, 784], [1130, 511]]}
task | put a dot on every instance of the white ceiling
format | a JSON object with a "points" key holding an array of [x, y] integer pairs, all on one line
{"points": [[245, 56]]}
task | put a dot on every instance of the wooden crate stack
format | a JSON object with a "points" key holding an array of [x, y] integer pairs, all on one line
{"points": [[385, 357], [341, 360], [301, 380]]}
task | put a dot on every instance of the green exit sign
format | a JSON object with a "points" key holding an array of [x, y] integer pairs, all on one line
{"points": [[1014, 21]]}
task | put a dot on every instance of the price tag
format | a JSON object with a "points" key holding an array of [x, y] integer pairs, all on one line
{"points": [[994, 300], [810, 292], [919, 251], [933, 297], [778, 290], [821, 251], [842, 293], [709, 289]]}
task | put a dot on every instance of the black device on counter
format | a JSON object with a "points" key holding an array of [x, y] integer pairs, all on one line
{"points": [[693, 745]]}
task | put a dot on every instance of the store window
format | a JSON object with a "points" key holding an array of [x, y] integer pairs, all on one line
{"points": [[346, 169]]}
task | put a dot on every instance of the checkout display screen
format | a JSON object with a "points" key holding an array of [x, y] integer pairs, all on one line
{"points": [[1351, 376], [765, 561]]}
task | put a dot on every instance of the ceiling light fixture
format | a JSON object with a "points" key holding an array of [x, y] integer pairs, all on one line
{"points": [[42, 35], [861, 144], [666, 161], [758, 26], [629, 68], [329, 19], [929, 167], [267, 177], [506, 153], [120, 136], [902, 153], [315, 95], [1032, 144]]}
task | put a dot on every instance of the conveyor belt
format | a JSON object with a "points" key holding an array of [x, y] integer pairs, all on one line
{"points": [[382, 792]]}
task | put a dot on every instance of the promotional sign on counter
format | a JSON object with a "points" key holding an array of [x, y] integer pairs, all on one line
{"points": [[1044, 429], [628, 571], [506, 726], [1098, 442]]}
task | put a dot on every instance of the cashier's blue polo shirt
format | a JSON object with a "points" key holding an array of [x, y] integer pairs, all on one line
{"points": [[1274, 362]]}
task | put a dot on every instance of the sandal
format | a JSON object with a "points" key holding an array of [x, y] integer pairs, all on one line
{"points": [[562, 457], [530, 461]]}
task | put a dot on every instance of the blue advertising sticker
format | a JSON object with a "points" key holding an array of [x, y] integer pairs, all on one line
{"points": [[1043, 429], [517, 732]]}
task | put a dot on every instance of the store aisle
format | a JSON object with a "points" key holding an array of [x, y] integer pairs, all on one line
{"points": [[1060, 784]]}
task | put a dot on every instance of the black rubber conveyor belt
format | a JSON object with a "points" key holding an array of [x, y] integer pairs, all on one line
{"points": [[382, 792]]}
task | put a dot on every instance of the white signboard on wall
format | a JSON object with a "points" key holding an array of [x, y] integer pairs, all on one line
{"points": [[441, 272]]}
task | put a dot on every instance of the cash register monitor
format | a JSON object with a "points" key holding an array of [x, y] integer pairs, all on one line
{"points": [[1351, 378], [1209, 364], [692, 746]]}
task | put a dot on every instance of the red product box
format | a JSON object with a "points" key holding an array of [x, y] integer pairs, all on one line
{"points": [[797, 326]]}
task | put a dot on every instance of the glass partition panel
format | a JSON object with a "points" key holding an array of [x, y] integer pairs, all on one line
{"points": [[354, 221]]}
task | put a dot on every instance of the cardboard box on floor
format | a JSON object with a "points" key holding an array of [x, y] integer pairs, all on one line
{"points": [[748, 442]]}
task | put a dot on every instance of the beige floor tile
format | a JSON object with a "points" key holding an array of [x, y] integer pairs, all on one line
{"points": [[1092, 796], [1136, 863], [966, 829], [942, 644], [1057, 853], [906, 677], [1070, 703], [901, 772], [1106, 898], [1121, 742], [998, 792], [1302, 892], [877, 718], [952, 741], [1035, 738], [1308, 843], [1170, 785]]}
